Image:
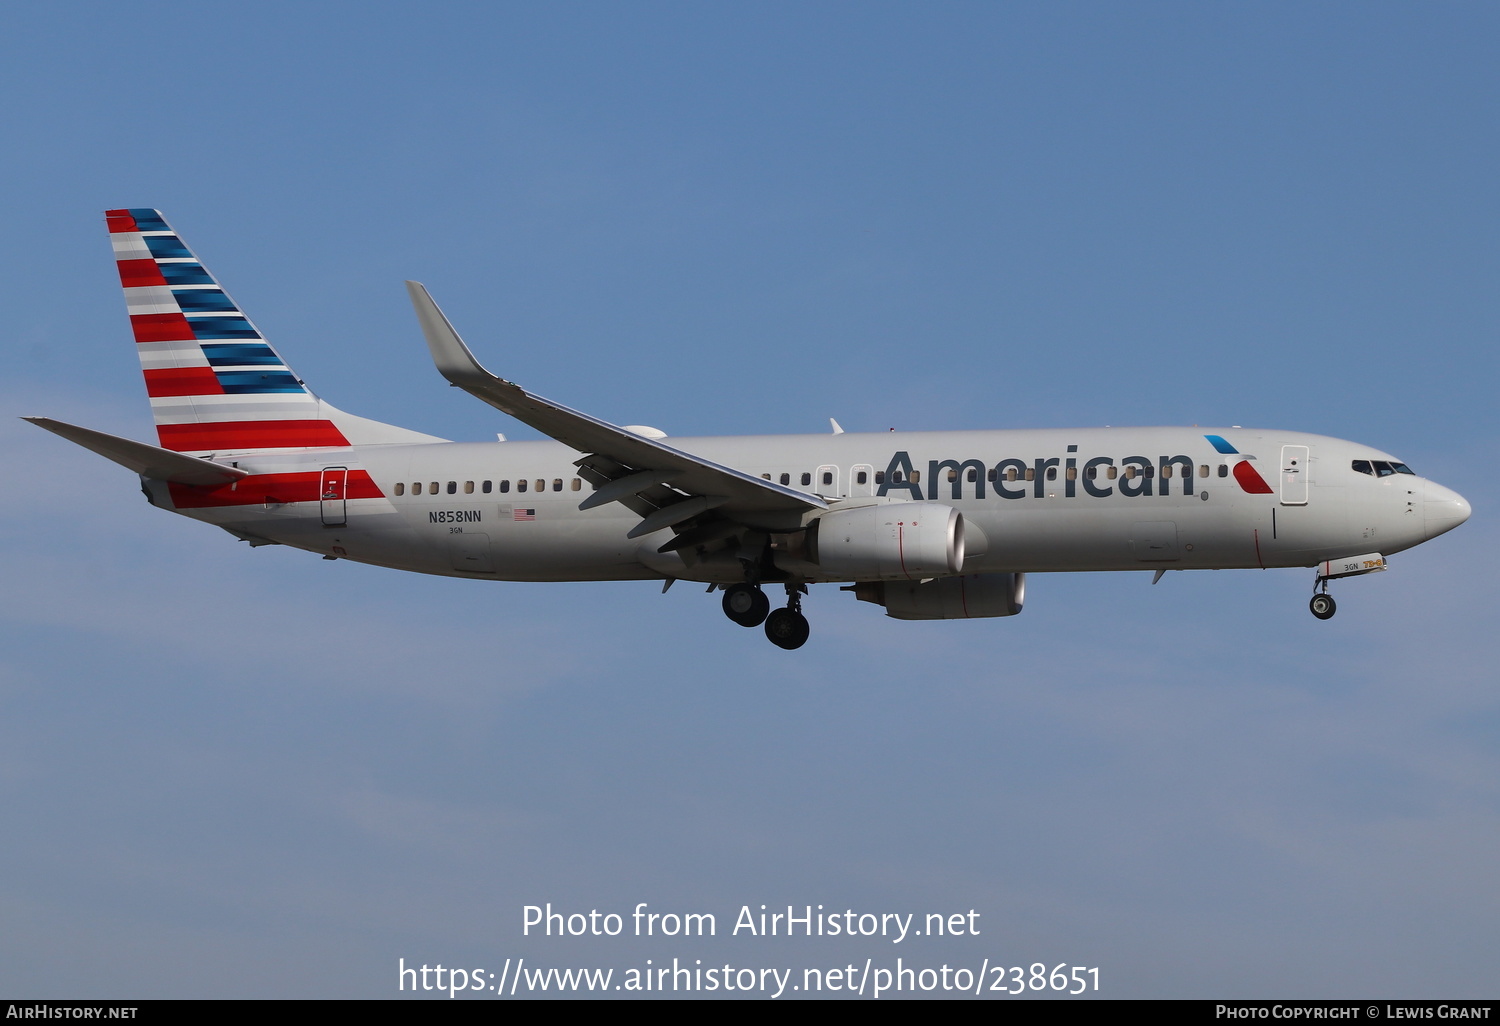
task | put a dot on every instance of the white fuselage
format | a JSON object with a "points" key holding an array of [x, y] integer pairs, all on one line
{"points": [[1044, 500]]}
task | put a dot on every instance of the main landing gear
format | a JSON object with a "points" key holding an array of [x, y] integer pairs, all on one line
{"points": [[788, 628], [748, 606]]}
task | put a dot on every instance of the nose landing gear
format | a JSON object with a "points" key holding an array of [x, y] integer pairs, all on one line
{"points": [[1323, 606]]}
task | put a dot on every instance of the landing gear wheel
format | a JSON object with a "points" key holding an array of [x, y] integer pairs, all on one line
{"points": [[746, 605], [1323, 606], [787, 628]]}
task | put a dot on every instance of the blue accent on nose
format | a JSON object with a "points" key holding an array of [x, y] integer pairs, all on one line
{"points": [[1218, 442]]}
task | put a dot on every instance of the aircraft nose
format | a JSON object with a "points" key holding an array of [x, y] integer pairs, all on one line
{"points": [[1443, 509]]}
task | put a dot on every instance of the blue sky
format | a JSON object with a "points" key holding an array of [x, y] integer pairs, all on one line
{"points": [[228, 772]]}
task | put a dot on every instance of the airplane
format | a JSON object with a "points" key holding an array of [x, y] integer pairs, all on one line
{"points": [[928, 525]]}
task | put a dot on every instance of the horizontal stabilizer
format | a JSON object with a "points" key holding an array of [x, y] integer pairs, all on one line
{"points": [[146, 460]]}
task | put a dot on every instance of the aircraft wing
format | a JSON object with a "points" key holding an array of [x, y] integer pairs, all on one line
{"points": [[666, 486], [147, 460]]}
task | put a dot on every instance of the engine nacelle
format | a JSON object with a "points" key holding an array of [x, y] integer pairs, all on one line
{"points": [[948, 598], [894, 541]]}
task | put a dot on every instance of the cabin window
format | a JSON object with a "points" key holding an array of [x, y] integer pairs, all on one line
{"points": [[1031, 473], [577, 484], [1051, 473], [1148, 471], [806, 479], [1203, 470], [786, 479], [400, 487], [541, 484], [1092, 473], [504, 486], [1112, 472], [486, 487], [1072, 473], [827, 477], [896, 477], [880, 477], [973, 475], [468, 487], [953, 475], [766, 476], [1130, 472], [1223, 470], [862, 477], [557, 484], [521, 485], [432, 488], [1010, 473], [452, 487], [990, 475], [1166, 471], [916, 475]]}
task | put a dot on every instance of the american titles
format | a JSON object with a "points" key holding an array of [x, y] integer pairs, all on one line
{"points": [[1098, 476]]}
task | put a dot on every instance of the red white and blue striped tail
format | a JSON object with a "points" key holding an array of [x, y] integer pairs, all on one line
{"points": [[215, 383]]}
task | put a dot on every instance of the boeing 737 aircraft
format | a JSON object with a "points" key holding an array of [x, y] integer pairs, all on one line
{"points": [[929, 525]]}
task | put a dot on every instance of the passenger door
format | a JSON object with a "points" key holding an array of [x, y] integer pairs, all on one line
{"points": [[332, 488], [1294, 475]]}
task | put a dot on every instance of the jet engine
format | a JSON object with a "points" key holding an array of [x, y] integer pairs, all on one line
{"points": [[947, 598], [909, 540]]}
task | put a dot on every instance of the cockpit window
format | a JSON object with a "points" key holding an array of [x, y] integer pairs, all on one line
{"points": [[1381, 468]]}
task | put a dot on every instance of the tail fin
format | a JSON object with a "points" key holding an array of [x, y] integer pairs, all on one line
{"points": [[215, 383]]}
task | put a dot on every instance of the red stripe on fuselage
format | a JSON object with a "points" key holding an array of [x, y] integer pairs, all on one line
{"points": [[169, 327], [183, 381], [1250, 479], [259, 489], [135, 273], [250, 434]]}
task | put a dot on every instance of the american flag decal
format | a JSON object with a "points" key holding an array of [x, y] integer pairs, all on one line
{"points": [[525, 514]]}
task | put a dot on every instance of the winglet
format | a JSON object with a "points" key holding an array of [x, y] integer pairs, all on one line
{"points": [[454, 360], [837, 429]]}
